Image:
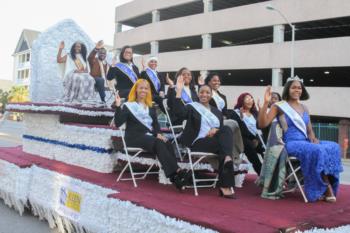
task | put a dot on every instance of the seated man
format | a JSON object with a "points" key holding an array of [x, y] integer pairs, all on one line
{"points": [[99, 68]]}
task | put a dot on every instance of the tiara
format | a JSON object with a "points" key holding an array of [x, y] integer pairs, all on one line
{"points": [[295, 78]]}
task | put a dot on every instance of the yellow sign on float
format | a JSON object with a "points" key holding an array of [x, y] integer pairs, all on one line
{"points": [[73, 201]]}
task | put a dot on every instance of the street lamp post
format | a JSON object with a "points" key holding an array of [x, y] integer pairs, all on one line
{"points": [[270, 7]]}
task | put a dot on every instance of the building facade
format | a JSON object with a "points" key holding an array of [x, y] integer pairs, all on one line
{"points": [[249, 45], [22, 56]]}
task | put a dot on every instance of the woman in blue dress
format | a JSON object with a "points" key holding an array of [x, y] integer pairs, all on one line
{"points": [[320, 160]]}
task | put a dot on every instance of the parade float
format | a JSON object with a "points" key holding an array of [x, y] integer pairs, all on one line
{"points": [[64, 171]]}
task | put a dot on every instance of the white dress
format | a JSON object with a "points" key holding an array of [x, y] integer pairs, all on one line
{"points": [[78, 87]]}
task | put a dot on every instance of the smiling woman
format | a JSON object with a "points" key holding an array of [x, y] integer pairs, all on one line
{"points": [[320, 160]]}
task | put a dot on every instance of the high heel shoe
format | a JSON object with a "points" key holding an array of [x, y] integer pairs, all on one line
{"points": [[330, 199], [229, 196]]}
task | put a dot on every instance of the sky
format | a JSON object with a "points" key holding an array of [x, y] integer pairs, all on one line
{"points": [[96, 18]]}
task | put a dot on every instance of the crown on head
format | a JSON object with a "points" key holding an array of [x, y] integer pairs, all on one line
{"points": [[295, 78]]}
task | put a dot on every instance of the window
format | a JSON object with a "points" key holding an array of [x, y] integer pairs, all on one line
{"points": [[28, 57], [26, 73]]}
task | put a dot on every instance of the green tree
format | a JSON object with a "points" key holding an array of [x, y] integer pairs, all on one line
{"points": [[3, 100], [18, 94]]}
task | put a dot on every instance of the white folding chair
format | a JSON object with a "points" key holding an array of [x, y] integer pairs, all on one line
{"points": [[173, 128], [200, 156], [293, 164], [130, 158], [291, 161]]}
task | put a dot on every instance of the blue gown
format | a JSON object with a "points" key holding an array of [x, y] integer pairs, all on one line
{"points": [[315, 159]]}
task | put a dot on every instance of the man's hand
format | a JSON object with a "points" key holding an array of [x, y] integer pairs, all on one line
{"points": [[99, 44]]}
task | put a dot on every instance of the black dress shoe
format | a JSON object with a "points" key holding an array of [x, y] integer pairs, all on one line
{"points": [[181, 179]]}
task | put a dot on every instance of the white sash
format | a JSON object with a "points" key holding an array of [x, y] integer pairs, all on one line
{"points": [[293, 115], [208, 120], [141, 114], [251, 125], [206, 114], [220, 103]]}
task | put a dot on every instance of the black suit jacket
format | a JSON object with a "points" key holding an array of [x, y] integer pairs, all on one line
{"points": [[213, 103], [193, 124], [124, 84], [134, 127], [144, 75], [171, 95]]}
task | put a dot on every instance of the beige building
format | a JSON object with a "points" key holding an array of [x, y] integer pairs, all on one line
{"points": [[5, 85], [248, 45], [22, 56]]}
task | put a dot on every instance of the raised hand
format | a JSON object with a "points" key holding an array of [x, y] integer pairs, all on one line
{"points": [[258, 105], [143, 63], [168, 80], [268, 94], [61, 46], [201, 81], [99, 44], [118, 100], [180, 83]]}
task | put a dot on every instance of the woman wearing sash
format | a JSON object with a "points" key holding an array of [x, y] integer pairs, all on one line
{"points": [[218, 100], [245, 113], [78, 83], [125, 73], [275, 97], [320, 160], [188, 93], [142, 130], [157, 82], [205, 132]]}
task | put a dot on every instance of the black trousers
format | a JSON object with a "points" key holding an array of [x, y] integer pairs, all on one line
{"points": [[221, 144], [251, 151], [163, 150], [100, 86]]}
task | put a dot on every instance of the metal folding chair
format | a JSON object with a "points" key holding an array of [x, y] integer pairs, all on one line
{"points": [[293, 165], [200, 156], [173, 128], [131, 153], [291, 161]]}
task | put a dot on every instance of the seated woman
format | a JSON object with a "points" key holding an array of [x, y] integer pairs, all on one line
{"points": [[218, 100], [275, 97], [205, 132], [78, 83], [245, 114], [142, 130], [320, 160], [157, 82], [125, 73], [188, 93]]}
